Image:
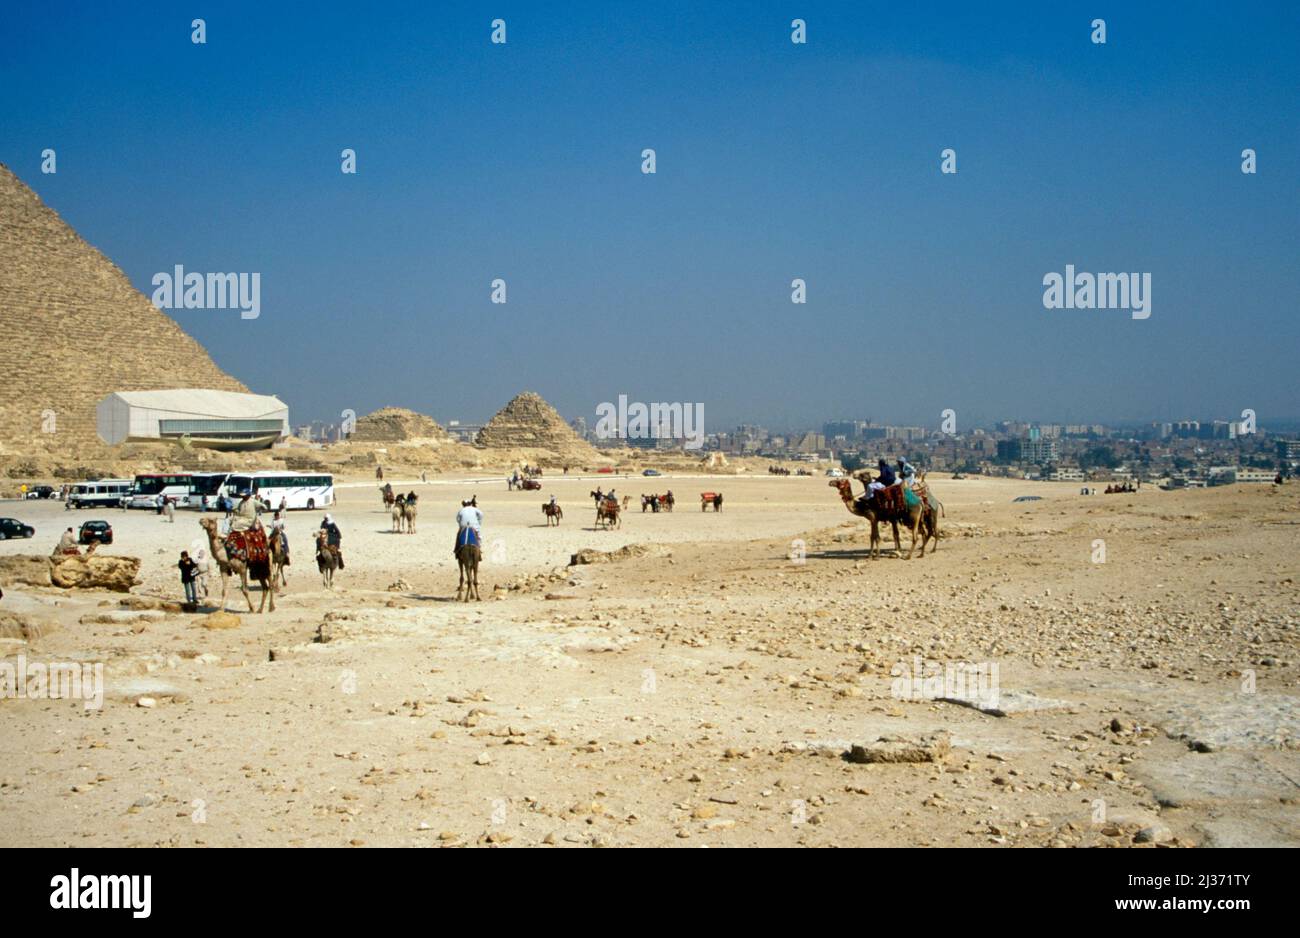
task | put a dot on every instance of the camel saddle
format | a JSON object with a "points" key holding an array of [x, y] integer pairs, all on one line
{"points": [[249, 546], [890, 500]]}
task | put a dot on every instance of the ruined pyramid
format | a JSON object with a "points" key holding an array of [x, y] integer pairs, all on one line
{"points": [[395, 425], [73, 329], [529, 423]]}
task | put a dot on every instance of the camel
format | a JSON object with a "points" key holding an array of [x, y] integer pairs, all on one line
{"points": [[552, 512], [913, 518], [408, 515], [607, 515], [326, 560], [713, 499], [228, 566], [468, 557], [280, 560]]}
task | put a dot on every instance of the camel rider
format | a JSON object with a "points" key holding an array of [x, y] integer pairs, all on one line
{"points": [[887, 477], [907, 472], [278, 530], [469, 525], [245, 516], [67, 544], [470, 516], [333, 537]]}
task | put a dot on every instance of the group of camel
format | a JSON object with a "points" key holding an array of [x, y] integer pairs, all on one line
{"points": [[920, 517], [923, 516], [404, 510]]}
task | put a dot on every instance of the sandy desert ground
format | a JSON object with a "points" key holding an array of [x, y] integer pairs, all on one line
{"points": [[700, 692]]}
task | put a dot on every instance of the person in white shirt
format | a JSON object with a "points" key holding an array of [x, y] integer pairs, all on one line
{"points": [[470, 516]]}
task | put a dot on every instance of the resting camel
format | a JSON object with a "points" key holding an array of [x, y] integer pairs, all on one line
{"points": [[326, 560], [552, 512], [913, 518], [228, 566]]}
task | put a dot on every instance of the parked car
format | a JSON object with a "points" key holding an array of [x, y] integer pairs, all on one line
{"points": [[40, 491], [835, 473], [92, 531], [605, 469], [651, 472], [12, 527]]}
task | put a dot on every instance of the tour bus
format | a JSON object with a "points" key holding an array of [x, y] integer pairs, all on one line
{"points": [[99, 493], [292, 489], [206, 488], [175, 486]]}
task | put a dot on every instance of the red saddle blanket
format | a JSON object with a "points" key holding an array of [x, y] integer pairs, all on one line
{"points": [[249, 546], [889, 500]]}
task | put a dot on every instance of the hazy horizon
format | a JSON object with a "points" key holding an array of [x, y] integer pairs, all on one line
{"points": [[775, 161]]}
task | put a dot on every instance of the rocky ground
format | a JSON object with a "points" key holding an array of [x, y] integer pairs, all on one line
{"points": [[726, 680]]}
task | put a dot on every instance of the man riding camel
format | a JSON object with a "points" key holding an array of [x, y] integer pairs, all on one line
{"points": [[333, 538], [278, 531], [244, 517]]}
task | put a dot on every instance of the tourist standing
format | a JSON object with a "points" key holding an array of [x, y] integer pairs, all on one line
{"points": [[188, 572]]}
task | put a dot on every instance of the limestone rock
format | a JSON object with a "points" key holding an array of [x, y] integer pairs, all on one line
{"points": [[893, 749], [95, 571], [24, 569], [221, 620]]}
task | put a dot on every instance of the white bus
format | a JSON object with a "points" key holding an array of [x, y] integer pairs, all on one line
{"points": [[100, 493], [174, 486], [206, 489], [292, 489]]}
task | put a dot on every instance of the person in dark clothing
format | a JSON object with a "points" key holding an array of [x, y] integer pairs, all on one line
{"points": [[333, 538], [886, 477], [189, 571]]}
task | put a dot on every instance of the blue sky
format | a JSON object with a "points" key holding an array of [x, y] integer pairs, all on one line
{"points": [[775, 161]]}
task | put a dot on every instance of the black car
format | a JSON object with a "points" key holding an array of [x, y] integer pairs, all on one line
{"points": [[11, 527], [92, 531], [40, 491]]}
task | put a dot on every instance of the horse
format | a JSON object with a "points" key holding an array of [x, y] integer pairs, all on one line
{"points": [[552, 512]]}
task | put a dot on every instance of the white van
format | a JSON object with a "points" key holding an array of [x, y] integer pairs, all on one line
{"points": [[101, 493]]}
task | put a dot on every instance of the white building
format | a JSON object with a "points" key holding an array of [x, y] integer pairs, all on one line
{"points": [[226, 420]]}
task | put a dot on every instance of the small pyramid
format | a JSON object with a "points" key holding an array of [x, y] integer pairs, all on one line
{"points": [[528, 422], [396, 425]]}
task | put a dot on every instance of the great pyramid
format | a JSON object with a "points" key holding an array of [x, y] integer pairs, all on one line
{"points": [[529, 423], [396, 425], [73, 329]]}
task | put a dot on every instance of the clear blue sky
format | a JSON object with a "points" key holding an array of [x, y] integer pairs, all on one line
{"points": [[775, 161]]}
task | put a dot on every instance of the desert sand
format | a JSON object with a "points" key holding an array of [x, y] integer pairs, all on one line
{"points": [[702, 690]]}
